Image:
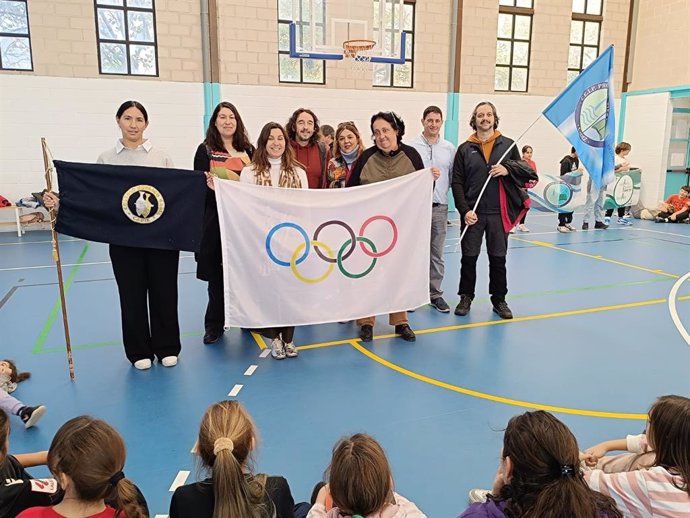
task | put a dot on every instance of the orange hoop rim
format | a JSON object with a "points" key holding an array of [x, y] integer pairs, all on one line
{"points": [[352, 47]]}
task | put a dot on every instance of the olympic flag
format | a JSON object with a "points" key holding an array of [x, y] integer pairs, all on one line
{"points": [[299, 257]]}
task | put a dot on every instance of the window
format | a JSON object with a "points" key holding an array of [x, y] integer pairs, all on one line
{"points": [[398, 76], [513, 44], [15, 40], [585, 30], [297, 70], [126, 33]]}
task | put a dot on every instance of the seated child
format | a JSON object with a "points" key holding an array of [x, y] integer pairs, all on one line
{"points": [[676, 208], [9, 377], [360, 484], [86, 458]]}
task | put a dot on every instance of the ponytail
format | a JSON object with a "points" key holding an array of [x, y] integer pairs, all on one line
{"points": [[127, 500], [235, 496]]}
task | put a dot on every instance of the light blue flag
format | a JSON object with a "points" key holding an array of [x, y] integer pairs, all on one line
{"points": [[584, 114]]}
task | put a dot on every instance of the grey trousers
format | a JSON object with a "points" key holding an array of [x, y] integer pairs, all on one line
{"points": [[594, 205], [439, 226]]}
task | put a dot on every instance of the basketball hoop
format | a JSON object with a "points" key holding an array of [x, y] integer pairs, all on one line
{"points": [[358, 53]]}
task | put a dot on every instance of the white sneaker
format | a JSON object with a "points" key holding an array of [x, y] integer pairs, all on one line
{"points": [[523, 228], [563, 229], [277, 349], [142, 365], [570, 227], [477, 495], [290, 350], [512, 230], [169, 361]]}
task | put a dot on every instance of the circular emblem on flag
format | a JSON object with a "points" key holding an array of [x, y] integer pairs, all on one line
{"points": [[143, 204], [623, 191], [591, 114], [558, 194]]}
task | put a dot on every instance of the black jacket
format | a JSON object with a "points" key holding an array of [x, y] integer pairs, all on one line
{"points": [[470, 171], [210, 258]]}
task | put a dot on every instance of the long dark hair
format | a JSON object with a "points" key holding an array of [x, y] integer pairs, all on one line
{"points": [[4, 434], [260, 158], [546, 478], [240, 140], [668, 433], [291, 126], [132, 104], [473, 118]]}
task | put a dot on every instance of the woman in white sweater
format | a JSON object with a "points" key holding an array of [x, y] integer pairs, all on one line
{"points": [[274, 165]]}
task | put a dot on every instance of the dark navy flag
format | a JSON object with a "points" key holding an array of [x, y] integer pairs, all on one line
{"points": [[145, 207]]}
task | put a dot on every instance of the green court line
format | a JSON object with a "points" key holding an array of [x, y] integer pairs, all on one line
{"points": [[38, 346], [96, 345]]}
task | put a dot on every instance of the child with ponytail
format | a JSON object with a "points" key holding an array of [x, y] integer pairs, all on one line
{"points": [[360, 484], [227, 438], [539, 475], [86, 458]]}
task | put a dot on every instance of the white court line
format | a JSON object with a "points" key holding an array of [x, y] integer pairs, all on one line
{"points": [[68, 265], [195, 448], [662, 232], [235, 390], [265, 353], [180, 479], [250, 370], [672, 308], [37, 242], [161, 516]]}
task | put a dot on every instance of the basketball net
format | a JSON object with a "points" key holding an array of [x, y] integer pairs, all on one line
{"points": [[358, 53]]}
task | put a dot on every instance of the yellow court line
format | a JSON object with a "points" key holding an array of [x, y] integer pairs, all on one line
{"points": [[491, 397], [597, 257], [259, 341], [500, 322]]}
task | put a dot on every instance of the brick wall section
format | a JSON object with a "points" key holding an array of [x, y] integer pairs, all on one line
{"points": [[549, 50], [661, 51], [63, 40]]}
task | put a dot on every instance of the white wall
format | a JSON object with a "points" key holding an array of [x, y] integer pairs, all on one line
{"points": [[77, 117], [647, 129]]}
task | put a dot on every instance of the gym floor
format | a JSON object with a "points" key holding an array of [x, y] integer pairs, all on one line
{"points": [[593, 341]]}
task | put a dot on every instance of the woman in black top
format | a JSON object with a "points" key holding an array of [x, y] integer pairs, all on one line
{"points": [[224, 153], [227, 437]]}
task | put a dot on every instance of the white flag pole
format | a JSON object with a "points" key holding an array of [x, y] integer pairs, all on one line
{"points": [[481, 193]]}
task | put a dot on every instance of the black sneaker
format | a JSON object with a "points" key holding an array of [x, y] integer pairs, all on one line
{"points": [[463, 306], [405, 332], [440, 305], [502, 309], [30, 415], [211, 336], [600, 225], [366, 333], [585, 226]]}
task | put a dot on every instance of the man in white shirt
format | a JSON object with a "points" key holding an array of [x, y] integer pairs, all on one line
{"points": [[439, 153]]}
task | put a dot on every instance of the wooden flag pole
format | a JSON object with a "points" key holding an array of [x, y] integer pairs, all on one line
{"points": [[48, 164]]}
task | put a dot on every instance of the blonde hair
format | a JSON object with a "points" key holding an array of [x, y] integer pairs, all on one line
{"points": [[227, 436], [92, 454], [349, 126], [359, 477]]}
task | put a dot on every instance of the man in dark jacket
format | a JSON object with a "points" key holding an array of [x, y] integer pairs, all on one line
{"points": [[501, 206]]}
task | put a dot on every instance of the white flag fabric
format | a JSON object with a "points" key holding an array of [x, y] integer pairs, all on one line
{"points": [[297, 257]]}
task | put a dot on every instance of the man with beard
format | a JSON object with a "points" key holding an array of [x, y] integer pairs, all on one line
{"points": [[303, 131]]}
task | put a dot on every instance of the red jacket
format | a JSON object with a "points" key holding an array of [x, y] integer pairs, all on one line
{"points": [[314, 158]]}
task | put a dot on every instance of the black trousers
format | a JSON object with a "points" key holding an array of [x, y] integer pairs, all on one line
{"points": [[621, 212], [490, 225], [147, 283], [564, 217], [214, 319]]}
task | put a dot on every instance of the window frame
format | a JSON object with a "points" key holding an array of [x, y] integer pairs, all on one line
{"points": [[584, 18], [26, 36], [515, 11], [408, 59], [127, 42], [287, 22]]}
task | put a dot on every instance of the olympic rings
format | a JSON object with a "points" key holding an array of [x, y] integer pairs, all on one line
{"points": [[298, 250], [301, 253]]}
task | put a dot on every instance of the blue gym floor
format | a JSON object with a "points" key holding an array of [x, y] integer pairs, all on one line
{"points": [[592, 340]]}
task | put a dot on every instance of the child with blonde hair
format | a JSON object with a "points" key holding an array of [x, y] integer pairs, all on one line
{"points": [[227, 438], [360, 484]]}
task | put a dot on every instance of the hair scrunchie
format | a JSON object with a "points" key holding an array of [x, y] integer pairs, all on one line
{"points": [[223, 443], [116, 478]]}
